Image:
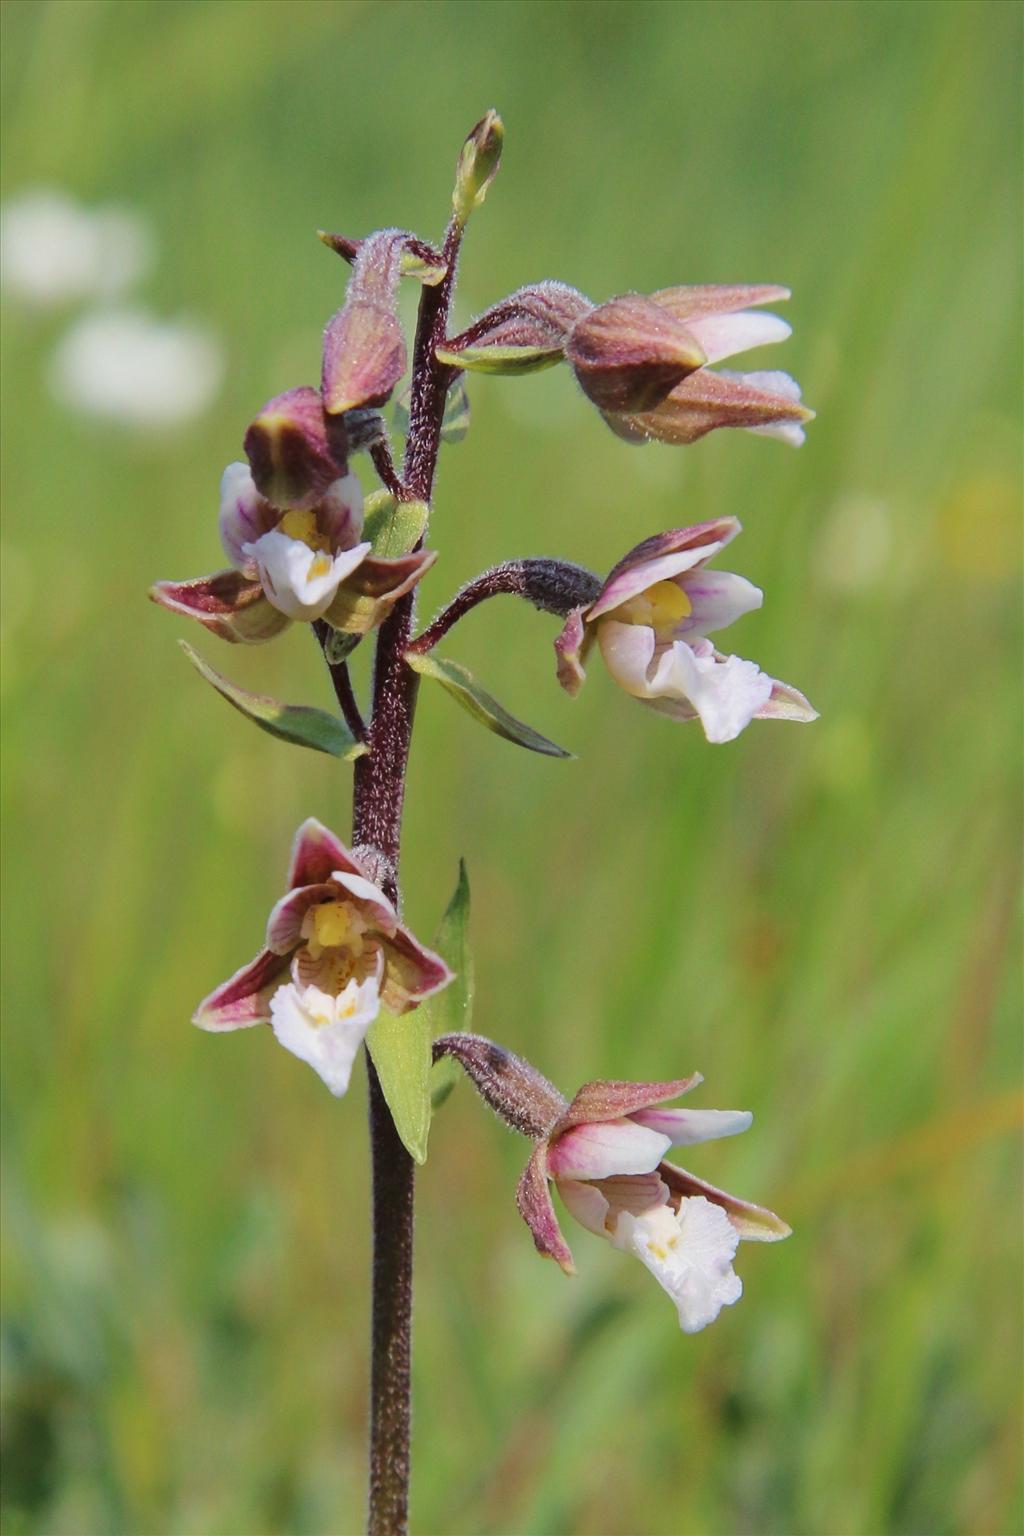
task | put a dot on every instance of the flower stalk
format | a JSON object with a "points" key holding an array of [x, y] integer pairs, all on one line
{"points": [[305, 546], [378, 797]]}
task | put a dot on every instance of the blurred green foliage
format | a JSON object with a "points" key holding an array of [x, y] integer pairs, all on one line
{"points": [[821, 919]]}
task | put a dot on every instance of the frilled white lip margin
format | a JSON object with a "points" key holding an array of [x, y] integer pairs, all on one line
{"points": [[325, 1031]]}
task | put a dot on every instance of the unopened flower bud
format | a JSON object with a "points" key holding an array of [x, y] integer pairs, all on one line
{"points": [[630, 353], [515, 1090], [295, 450], [478, 165], [364, 349]]}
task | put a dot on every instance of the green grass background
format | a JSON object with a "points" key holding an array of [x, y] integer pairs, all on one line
{"points": [[821, 919]]}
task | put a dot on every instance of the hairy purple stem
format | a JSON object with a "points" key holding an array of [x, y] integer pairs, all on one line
{"points": [[553, 586], [377, 821]]}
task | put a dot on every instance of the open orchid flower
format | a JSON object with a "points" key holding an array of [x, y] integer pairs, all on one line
{"points": [[296, 558], [335, 954], [604, 1153], [643, 360], [651, 622]]}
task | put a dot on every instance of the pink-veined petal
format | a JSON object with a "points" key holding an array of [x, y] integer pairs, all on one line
{"points": [[412, 971], [244, 998], [719, 531], [317, 853], [245, 516], [638, 578], [339, 514], [284, 925], [718, 599], [370, 898]]}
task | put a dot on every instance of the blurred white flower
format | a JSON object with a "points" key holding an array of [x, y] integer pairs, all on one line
{"points": [[129, 366], [53, 250]]}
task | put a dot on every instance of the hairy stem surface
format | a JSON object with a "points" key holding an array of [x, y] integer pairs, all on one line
{"points": [[377, 822]]}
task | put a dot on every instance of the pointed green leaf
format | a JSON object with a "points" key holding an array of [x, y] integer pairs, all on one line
{"points": [[401, 1047], [393, 527], [452, 1009], [299, 724], [463, 686], [500, 360], [401, 1051]]}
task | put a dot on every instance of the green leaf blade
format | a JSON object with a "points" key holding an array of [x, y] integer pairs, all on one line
{"points": [[483, 706], [394, 528], [301, 725], [400, 1048], [508, 361]]}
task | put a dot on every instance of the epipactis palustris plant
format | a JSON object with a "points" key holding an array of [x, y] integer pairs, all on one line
{"points": [[305, 545]]}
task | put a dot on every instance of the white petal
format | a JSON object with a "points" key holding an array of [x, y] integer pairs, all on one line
{"points": [[719, 598], [597, 1206], [586, 1203], [325, 1031], [245, 515], [299, 581], [341, 512], [598, 1149], [771, 380], [627, 651], [723, 335], [790, 432], [689, 1252], [726, 693], [685, 1127]]}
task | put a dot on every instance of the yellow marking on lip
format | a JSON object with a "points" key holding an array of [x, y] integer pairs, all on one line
{"points": [[302, 526], [661, 608]]}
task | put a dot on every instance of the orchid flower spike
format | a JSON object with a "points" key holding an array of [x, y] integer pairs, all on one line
{"points": [[604, 1154], [651, 622], [335, 954], [299, 557], [643, 360]]}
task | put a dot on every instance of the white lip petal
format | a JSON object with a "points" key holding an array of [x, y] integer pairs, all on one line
{"points": [[325, 1031], [299, 581], [726, 694], [689, 1252]]}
